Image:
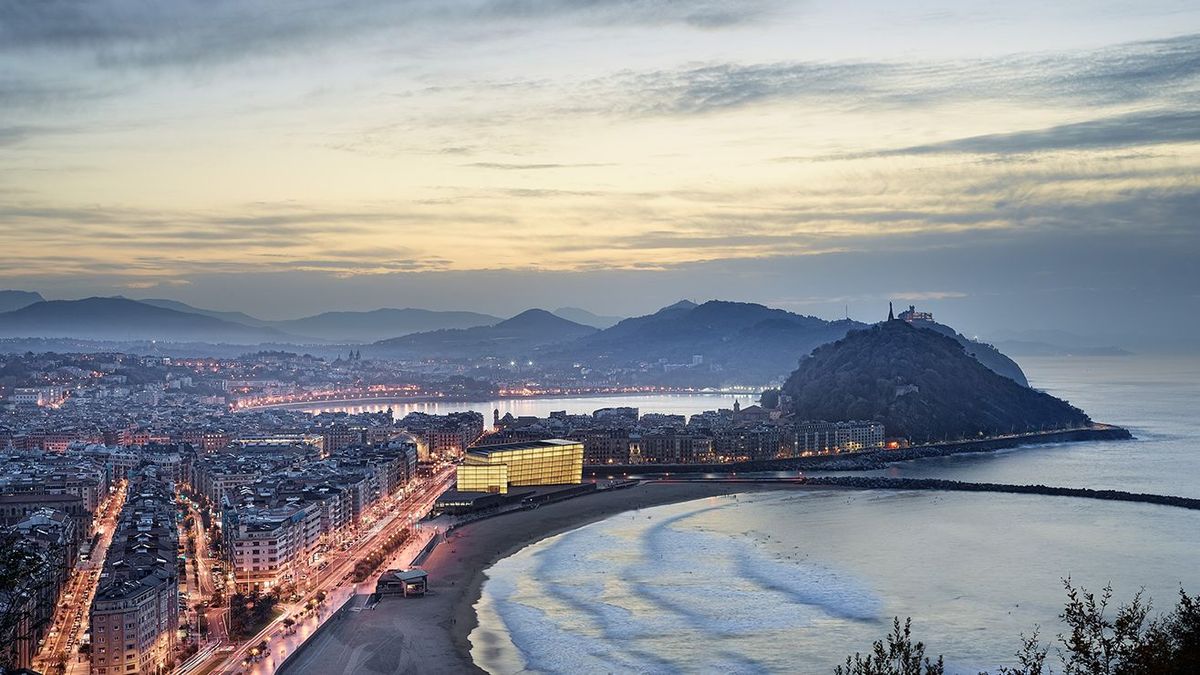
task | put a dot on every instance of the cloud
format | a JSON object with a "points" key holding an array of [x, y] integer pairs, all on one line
{"points": [[12, 135], [41, 90], [1159, 77], [706, 14], [136, 33], [1134, 129], [928, 295], [502, 166], [157, 283], [154, 246], [1120, 74]]}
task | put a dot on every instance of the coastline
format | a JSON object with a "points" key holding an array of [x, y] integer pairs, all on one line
{"points": [[870, 460], [432, 634]]}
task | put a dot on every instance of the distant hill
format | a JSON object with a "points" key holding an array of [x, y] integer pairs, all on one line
{"points": [[1050, 342], [235, 317], [585, 317], [380, 324], [1034, 348], [982, 351], [366, 326], [921, 384], [10, 300], [517, 337], [736, 342], [124, 319]]}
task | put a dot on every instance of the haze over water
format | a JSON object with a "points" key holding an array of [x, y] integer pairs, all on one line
{"points": [[793, 582]]}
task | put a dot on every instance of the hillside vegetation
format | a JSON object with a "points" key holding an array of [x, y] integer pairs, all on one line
{"points": [[921, 385]]}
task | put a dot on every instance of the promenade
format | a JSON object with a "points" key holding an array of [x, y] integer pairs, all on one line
{"points": [[220, 657], [432, 634]]}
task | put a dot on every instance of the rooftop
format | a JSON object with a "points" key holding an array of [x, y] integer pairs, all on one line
{"points": [[521, 445], [405, 575]]}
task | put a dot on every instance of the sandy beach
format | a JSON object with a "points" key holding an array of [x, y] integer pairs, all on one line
{"points": [[430, 634]]}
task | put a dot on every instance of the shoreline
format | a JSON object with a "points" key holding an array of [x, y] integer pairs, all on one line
{"points": [[432, 634], [307, 406], [870, 460]]}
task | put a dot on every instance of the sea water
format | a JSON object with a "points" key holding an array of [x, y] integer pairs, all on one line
{"points": [[793, 582]]}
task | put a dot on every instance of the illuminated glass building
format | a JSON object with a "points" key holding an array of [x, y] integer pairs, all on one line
{"points": [[493, 468]]}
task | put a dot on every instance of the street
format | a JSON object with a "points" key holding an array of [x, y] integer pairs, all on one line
{"points": [[70, 621], [200, 580], [334, 581]]}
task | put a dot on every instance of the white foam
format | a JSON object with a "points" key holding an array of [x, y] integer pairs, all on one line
{"points": [[632, 579]]}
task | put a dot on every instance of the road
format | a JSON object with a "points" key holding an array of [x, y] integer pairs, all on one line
{"points": [[71, 619], [381, 522], [200, 580]]}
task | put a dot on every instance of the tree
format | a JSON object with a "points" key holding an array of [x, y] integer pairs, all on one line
{"points": [[900, 656], [249, 613], [1031, 659], [1096, 644], [1174, 640], [1098, 641], [769, 399], [1125, 644]]}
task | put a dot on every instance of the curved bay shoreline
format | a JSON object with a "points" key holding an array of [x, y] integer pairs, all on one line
{"points": [[432, 634]]}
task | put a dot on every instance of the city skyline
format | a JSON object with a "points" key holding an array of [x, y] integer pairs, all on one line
{"points": [[1017, 165]]}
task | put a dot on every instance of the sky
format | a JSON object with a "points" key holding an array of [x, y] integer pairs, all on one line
{"points": [[1008, 165]]}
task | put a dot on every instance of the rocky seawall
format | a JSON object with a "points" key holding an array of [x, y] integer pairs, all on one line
{"points": [[881, 483]]}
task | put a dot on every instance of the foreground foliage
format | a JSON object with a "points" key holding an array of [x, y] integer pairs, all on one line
{"points": [[900, 655], [1098, 640]]}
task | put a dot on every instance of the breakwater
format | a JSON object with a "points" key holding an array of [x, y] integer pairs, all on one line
{"points": [[876, 459], [881, 483]]}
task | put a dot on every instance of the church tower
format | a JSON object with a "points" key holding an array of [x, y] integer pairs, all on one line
{"points": [[891, 315]]}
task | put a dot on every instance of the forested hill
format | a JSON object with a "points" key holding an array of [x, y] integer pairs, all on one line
{"points": [[921, 385], [982, 351]]}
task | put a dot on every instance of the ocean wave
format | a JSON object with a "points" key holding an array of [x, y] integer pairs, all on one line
{"points": [[596, 598]]}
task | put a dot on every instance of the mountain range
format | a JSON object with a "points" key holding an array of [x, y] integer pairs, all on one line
{"points": [[735, 342], [686, 344], [380, 324], [349, 327], [10, 300], [515, 338], [235, 317], [586, 318], [124, 319], [1043, 342], [120, 318]]}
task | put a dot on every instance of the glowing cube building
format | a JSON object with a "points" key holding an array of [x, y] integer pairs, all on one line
{"points": [[492, 468]]}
